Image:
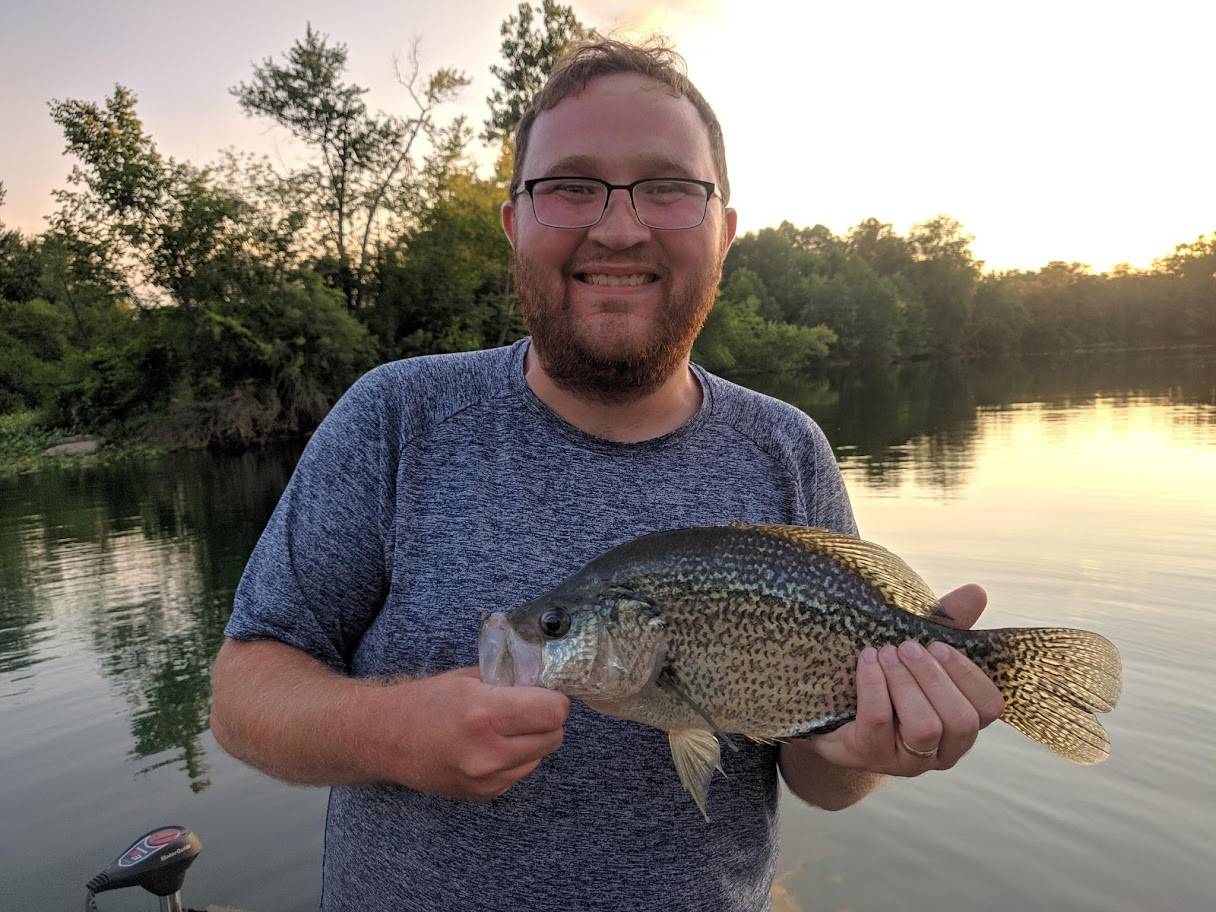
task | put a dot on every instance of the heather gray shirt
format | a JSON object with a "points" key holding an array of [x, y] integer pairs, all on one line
{"points": [[441, 487]]}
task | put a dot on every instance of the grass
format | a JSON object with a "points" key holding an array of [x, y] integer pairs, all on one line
{"points": [[23, 438]]}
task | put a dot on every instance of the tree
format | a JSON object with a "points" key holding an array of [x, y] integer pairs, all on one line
{"points": [[529, 50], [365, 163], [211, 333], [945, 274], [883, 250], [444, 286]]}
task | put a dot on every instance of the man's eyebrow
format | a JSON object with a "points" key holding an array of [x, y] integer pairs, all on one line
{"points": [[653, 166]]}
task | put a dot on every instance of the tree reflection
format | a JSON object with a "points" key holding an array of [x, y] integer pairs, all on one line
{"points": [[141, 558], [922, 418], [148, 555]]}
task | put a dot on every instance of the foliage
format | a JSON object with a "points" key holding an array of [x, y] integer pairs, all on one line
{"points": [[231, 303], [529, 50], [737, 337], [363, 163]]}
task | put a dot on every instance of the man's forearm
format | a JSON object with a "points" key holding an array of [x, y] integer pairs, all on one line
{"points": [[823, 784], [282, 711]]}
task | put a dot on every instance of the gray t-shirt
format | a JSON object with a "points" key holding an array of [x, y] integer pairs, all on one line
{"points": [[442, 487]]}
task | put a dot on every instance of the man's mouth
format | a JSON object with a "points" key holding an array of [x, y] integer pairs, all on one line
{"points": [[616, 281]]}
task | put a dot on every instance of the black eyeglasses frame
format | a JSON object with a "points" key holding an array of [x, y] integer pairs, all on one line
{"points": [[709, 187]]}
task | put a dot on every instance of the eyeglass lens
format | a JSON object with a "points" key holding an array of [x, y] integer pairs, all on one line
{"points": [[573, 203]]}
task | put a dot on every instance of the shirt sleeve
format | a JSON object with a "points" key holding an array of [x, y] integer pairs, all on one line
{"points": [[320, 571], [828, 504]]}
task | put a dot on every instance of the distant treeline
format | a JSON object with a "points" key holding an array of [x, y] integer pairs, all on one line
{"points": [[232, 303], [795, 295]]}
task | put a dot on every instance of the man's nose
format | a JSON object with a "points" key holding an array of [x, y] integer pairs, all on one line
{"points": [[619, 228]]}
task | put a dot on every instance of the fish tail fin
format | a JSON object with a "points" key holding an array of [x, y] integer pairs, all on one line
{"points": [[1053, 680]]}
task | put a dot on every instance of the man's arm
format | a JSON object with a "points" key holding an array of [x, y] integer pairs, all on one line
{"points": [[910, 701], [290, 716]]}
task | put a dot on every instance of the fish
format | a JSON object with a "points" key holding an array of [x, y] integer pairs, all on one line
{"points": [[754, 630]]}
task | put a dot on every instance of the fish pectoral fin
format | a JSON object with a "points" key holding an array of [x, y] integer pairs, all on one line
{"points": [[668, 679], [696, 754]]}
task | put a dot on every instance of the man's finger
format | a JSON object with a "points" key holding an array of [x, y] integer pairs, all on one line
{"points": [[527, 710], [964, 606], [525, 749], [919, 727], [971, 681], [959, 719], [870, 738], [875, 723]]}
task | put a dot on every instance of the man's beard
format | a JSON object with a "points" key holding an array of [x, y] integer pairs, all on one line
{"points": [[597, 371]]}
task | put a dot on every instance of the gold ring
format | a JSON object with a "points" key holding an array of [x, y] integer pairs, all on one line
{"points": [[924, 755]]}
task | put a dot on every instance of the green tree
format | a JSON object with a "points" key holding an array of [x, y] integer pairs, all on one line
{"points": [[944, 273], [445, 285], [1194, 266], [529, 50], [365, 164], [222, 337], [883, 250], [736, 336]]}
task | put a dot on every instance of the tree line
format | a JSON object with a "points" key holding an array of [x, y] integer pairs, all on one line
{"points": [[231, 303]]}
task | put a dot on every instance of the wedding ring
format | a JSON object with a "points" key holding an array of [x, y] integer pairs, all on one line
{"points": [[924, 755]]}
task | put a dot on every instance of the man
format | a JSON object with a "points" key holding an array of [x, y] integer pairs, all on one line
{"points": [[442, 487]]}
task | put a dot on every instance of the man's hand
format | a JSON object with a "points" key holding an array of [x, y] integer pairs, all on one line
{"points": [[466, 739], [287, 714], [917, 709]]}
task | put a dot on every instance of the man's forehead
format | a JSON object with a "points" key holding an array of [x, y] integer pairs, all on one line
{"points": [[621, 120]]}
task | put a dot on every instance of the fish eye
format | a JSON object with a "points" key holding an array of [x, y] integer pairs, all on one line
{"points": [[555, 623]]}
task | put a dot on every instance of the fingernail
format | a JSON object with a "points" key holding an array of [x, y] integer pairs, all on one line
{"points": [[939, 651], [869, 655], [911, 650], [888, 656]]}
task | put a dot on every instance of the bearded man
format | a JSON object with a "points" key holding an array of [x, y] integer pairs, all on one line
{"points": [[445, 486]]}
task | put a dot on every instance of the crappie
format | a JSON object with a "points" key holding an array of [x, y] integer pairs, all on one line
{"points": [[755, 630]]}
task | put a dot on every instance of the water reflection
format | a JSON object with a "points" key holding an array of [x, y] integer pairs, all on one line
{"points": [[132, 566], [889, 422], [137, 563]]}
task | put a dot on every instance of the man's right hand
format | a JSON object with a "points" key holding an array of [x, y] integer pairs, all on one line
{"points": [[465, 739], [282, 711]]}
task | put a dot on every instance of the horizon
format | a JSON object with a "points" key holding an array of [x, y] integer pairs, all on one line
{"points": [[1111, 168]]}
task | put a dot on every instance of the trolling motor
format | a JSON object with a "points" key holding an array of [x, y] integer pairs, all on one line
{"points": [[157, 861]]}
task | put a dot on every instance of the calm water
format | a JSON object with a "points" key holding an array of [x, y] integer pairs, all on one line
{"points": [[1079, 491]]}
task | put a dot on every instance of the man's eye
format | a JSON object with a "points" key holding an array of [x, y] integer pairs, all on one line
{"points": [[669, 191], [576, 189]]}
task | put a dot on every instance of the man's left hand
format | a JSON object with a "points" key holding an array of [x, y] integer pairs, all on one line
{"points": [[917, 709]]}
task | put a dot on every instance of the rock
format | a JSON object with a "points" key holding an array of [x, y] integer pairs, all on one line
{"points": [[74, 448]]}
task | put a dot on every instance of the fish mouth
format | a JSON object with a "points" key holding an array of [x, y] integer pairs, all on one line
{"points": [[505, 659]]}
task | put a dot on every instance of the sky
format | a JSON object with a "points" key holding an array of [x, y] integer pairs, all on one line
{"points": [[1065, 130]]}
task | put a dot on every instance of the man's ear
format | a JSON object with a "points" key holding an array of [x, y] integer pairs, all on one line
{"points": [[728, 236], [508, 221]]}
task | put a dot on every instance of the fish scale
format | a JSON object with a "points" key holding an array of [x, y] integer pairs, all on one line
{"points": [[755, 630]]}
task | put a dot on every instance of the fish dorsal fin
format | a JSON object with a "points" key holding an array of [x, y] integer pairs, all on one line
{"points": [[696, 755], [886, 572]]}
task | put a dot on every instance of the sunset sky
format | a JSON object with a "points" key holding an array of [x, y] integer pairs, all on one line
{"points": [[1079, 131]]}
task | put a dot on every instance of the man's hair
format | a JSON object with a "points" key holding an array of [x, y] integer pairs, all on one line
{"points": [[585, 60]]}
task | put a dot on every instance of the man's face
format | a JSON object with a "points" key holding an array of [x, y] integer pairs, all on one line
{"points": [[616, 341]]}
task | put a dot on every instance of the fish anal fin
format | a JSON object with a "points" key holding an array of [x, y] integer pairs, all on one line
{"points": [[696, 755]]}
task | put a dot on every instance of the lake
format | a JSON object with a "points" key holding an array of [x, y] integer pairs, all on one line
{"points": [[1079, 490]]}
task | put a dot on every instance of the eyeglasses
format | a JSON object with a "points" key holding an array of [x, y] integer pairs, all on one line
{"points": [[669, 204]]}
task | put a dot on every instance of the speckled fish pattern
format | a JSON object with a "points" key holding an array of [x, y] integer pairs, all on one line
{"points": [[763, 625]]}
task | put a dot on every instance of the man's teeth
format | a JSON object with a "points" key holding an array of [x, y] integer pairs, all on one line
{"points": [[618, 280]]}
